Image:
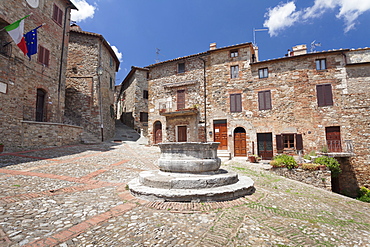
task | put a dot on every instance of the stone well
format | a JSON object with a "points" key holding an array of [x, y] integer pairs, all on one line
{"points": [[190, 172]]}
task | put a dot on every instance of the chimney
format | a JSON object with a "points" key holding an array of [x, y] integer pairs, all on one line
{"points": [[75, 27], [213, 46], [299, 50]]}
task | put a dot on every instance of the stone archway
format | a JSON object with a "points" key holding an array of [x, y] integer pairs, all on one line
{"points": [[157, 134], [240, 142]]}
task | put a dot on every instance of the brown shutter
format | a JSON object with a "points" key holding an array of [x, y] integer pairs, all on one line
{"points": [[46, 57], [267, 100], [328, 95], [238, 102], [299, 142], [261, 101], [279, 143], [40, 56], [180, 99], [232, 102]]}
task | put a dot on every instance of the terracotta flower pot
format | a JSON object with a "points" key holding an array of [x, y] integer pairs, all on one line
{"points": [[252, 159]]}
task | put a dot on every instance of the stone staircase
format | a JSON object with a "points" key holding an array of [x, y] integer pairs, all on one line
{"points": [[224, 155]]}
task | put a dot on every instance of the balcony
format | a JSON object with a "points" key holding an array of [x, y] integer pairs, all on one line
{"points": [[180, 112], [337, 148]]}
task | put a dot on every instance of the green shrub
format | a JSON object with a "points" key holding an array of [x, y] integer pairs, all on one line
{"points": [[288, 161], [308, 156], [331, 163], [364, 194], [277, 163]]}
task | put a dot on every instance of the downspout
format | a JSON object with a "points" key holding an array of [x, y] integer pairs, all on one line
{"points": [[204, 98], [100, 72], [61, 62]]}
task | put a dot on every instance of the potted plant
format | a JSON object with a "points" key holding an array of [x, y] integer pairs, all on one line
{"points": [[1, 147], [253, 158]]}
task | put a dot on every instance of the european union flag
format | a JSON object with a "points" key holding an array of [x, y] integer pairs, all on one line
{"points": [[31, 41]]}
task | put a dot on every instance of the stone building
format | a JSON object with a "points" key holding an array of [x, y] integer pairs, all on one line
{"points": [[295, 104], [132, 100], [90, 85], [32, 91]]}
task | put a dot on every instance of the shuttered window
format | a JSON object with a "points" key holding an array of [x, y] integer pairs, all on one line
{"points": [[235, 102], [57, 14], [145, 94], [324, 95], [43, 56], [264, 100], [234, 70], [289, 141], [180, 99]]}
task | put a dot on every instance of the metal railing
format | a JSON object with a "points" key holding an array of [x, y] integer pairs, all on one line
{"points": [[5, 48]]}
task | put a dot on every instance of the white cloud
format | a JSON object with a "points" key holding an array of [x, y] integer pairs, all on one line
{"points": [[118, 54], [85, 10], [285, 15], [280, 17]]}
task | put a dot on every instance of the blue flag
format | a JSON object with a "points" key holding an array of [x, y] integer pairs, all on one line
{"points": [[31, 41]]}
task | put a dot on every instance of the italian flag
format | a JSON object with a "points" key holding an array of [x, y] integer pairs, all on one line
{"points": [[16, 31]]}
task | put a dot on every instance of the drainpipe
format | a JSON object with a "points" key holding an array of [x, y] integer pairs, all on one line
{"points": [[100, 72], [205, 98], [61, 62]]}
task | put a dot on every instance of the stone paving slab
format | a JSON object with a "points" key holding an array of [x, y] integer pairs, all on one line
{"points": [[77, 196]]}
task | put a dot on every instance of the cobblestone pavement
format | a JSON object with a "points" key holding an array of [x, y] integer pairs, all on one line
{"points": [[77, 196]]}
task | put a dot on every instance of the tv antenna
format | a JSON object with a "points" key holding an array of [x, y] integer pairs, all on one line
{"points": [[254, 34], [314, 45], [157, 50]]}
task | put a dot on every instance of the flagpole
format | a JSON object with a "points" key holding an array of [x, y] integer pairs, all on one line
{"points": [[17, 20]]}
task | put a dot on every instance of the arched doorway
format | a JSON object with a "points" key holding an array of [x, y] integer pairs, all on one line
{"points": [[240, 142], [157, 132]]}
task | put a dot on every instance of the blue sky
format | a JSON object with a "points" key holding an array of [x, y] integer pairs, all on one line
{"points": [[137, 28]]}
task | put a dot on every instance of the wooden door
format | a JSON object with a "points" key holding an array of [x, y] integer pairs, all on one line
{"points": [[181, 134], [220, 130], [333, 139], [157, 132], [264, 145], [240, 142]]}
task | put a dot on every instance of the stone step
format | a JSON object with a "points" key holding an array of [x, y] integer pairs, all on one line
{"points": [[171, 180], [224, 155], [245, 186]]}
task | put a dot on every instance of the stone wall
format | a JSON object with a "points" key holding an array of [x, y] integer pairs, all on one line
{"points": [[22, 77], [320, 179], [90, 96], [37, 134], [131, 101]]}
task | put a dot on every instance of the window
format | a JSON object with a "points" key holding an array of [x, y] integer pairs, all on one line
{"points": [[180, 99], [181, 68], [324, 95], [263, 73], [234, 71], [145, 94], [57, 14], [111, 62], [235, 102], [264, 100], [143, 117], [43, 56], [320, 64], [110, 83], [289, 142], [234, 53], [40, 105]]}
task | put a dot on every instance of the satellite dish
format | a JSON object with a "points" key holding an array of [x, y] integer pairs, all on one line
{"points": [[33, 3]]}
